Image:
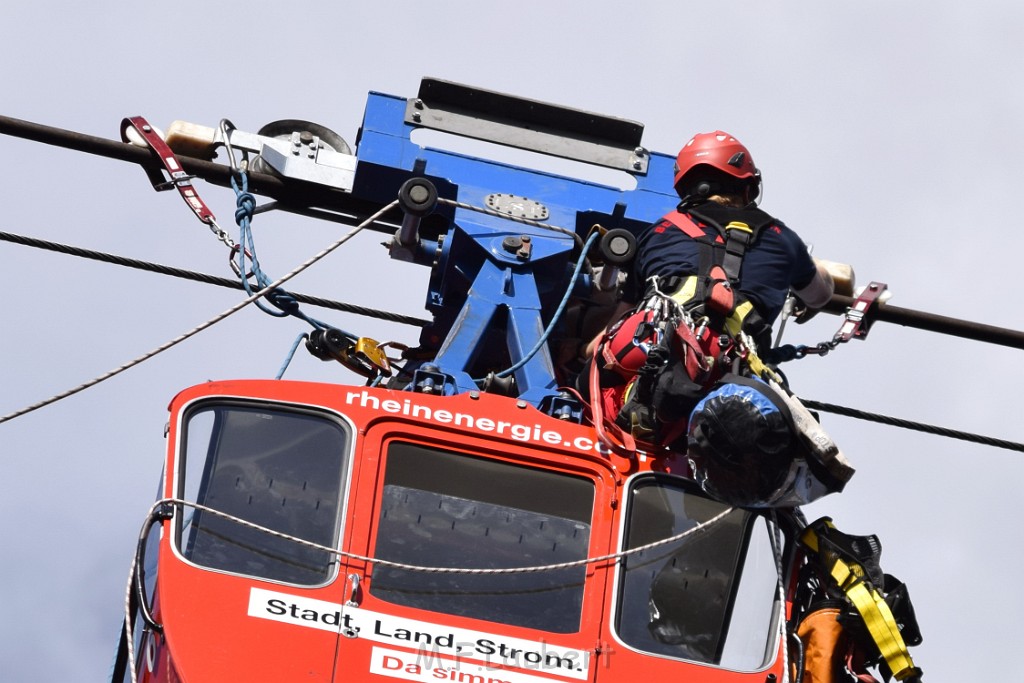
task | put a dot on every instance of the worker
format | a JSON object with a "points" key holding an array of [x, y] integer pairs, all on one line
{"points": [[723, 266]]}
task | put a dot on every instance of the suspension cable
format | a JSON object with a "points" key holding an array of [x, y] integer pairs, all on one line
{"points": [[209, 323], [916, 426], [205, 278]]}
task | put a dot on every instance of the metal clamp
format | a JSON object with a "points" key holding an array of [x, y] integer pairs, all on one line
{"points": [[860, 316], [178, 178]]}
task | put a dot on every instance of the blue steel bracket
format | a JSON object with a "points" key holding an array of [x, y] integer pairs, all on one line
{"points": [[492, 302]]}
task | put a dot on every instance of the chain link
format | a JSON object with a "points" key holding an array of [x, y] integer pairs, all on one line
{"points": [[222, 235]]}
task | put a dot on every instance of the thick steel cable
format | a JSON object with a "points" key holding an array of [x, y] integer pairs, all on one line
{"points": [[199, 328], [916, 426], [203, 277]]}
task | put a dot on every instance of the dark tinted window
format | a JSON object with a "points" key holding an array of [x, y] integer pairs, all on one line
{"points": [[443, 509], [710, 596], [280, 469]]}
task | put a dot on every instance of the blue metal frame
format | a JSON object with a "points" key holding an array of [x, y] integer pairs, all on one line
{"points": [[471, 267]]}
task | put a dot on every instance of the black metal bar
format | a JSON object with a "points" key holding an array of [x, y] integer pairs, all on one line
{"points": [[299, 197], [931, 322], [291, 195]]}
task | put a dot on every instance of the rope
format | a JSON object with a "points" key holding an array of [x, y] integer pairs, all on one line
{"points": [[209, 323], [205, 278], [702, 526], [916, 426], [387, 563], [285, 303], [291, 354], [162, 269], [129, 632], [775, 536]]}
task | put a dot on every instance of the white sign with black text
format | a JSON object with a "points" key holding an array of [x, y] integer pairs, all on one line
{"points": [[429, 639]]}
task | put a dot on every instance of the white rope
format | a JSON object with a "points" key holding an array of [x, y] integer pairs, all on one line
{"points": [[449, 570], [129, 632], [209, 323], [775, 533], [129, 635]]}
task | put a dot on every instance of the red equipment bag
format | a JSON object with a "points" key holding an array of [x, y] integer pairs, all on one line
{"points": [[626, 348]]}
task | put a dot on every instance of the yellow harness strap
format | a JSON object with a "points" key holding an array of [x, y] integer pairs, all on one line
{"points": [[871, 606]]}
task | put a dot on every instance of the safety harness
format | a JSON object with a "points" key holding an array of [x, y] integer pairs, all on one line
{"points": [[723, 241], [842, 578], [657, 362]]}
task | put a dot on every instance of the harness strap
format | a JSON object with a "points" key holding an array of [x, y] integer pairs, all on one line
{"points": [[852, 579], [738, 236], [627, 447], [721, 252], [178, 178]]}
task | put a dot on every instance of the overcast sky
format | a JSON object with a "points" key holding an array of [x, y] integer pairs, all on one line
{"points": [[888, 133]]}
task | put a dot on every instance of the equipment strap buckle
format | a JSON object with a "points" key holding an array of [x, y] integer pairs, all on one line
{"points": [[861, 315], [178, 177]]}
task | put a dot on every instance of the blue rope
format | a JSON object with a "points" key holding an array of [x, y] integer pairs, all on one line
{"points": [[246, 208], [291, 354], [282, 303], [558, 312], [285, 303]]}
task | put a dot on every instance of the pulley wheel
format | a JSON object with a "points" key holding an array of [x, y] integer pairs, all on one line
{"points": [[283, 129]]}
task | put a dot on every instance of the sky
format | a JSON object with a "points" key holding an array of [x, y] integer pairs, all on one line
{"points": [[888, 135]]}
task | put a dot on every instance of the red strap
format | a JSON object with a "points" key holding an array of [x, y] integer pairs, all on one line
{"points": [[859, 316], [628, 446], [720, 295], [179, 178], [682, 221]]}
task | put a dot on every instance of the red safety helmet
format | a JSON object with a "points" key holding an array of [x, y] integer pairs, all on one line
{"points": [[718, 150]]}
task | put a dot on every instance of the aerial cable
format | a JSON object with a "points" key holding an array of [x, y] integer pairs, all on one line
{"points": [[916, 426], [206, 278], [209, 323], [419, 322]]}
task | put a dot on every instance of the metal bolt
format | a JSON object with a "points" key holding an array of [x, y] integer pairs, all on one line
{"points": [[637, 165], [419, 193], [418, 103], [416, 116], [639, 151], [526, 238], [619, 246], [147, 129], [305, 137]]}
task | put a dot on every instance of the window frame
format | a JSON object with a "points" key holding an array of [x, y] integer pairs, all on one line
{"points": [[753, 518], [480, 452], [180, 466]]}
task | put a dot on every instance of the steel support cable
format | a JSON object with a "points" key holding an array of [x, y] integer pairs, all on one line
{"points": [[408, 320], [291, 195], [209, 323], [916, 426], [203, 277], [306, 196]]}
